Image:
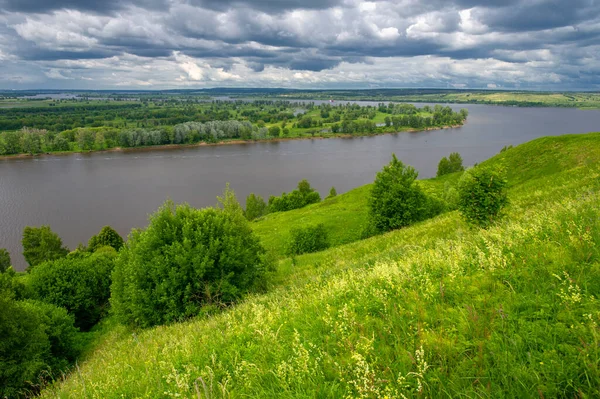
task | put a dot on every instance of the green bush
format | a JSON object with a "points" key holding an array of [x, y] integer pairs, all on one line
{"points": [[107, 237], [38, 342], [452, 164], [482, 195], [332, 193], [41, 244], [397, 201], [186, 258], [80, 284], [255, 207], [308, 239], [299, 198]]}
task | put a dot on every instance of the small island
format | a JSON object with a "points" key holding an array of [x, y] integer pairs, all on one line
{"points": [[84, 125]]}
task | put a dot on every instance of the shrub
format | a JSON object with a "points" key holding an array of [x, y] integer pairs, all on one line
{"points": [[4, 260], [106, 237], [308, 239], [332, 193], [38, 341], [80, 284], [396, 201], [186, 258], [452, 164], [482, 195], [255, 207], [299, 198], [41, 244]]}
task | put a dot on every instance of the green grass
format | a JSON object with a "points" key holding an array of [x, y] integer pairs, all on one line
{"points": [[434, 310]]}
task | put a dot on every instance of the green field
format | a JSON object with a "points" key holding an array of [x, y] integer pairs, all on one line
{"points": [[434, 310]]}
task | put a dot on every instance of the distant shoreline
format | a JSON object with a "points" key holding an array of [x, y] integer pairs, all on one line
{"points": [[204, 144]]}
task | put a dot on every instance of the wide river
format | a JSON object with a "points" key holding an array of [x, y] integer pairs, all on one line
{"points": [[78, 194]]}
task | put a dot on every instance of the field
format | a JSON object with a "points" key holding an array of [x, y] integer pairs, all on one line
{"points": [[434, 310]]}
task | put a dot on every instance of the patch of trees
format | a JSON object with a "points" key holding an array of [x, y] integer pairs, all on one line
{"points": [[303, 195], [452, 164]]}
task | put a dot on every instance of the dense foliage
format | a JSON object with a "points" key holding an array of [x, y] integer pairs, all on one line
{"points": [[308, 239], [303, 195], [396, 200], [38, 342], [41, 244], [107, 237], [4, 260], [482, 195], [452, 164], [77, 125], [79, 283], [255, 206], [184, 259]]}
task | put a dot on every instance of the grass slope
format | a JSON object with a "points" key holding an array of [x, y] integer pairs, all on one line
{"points": [[434, 310]]}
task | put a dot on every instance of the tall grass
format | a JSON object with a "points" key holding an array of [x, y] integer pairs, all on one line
{"points": [[434, 310]]}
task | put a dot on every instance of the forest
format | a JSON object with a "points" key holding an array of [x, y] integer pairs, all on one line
{"points": [[79, 125]]}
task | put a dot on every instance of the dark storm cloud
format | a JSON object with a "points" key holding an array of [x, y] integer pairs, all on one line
{"points": [[540, 15], [520, 42], [96, 6]]}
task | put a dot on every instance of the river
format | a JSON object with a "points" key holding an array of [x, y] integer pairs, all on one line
{"points": [[78, 194]]}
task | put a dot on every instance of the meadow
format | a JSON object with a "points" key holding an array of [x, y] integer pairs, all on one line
{"points": [[438, 309]]}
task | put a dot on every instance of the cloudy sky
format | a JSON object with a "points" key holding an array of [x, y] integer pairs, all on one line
{"points": [[158, 44]]}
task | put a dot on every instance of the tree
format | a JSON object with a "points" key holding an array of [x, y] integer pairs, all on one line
{"points": [[456, 162], [482, 195], [41, 244], [4, 260], [332, 193], [443, 167], [38, 341], [31, 141], [396, 201], [451, 164], [388, 121], [274, 131], [80, 284], [185, 258], [255, 207], [107, 237], [12, 142]]}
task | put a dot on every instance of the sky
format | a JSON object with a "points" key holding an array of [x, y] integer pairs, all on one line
{"points": [[169, 44]]}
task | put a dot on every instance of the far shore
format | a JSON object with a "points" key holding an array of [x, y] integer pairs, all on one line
{"points": [[203, 144]]}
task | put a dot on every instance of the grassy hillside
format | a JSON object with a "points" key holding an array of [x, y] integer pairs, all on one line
{"points": [[434, 310]]}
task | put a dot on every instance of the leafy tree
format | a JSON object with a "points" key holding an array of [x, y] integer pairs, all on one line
{"points": [[80, 284], [396, 200], [299, 198], [12, 142], [107, 237], [186, 258], [38, 341], [451, 164], [255, 207], [274, 131], [41, 244], [31, 142], [443, 167], [4, 260], [482, 195], [308, 239], [455, 162], [332, 193]]}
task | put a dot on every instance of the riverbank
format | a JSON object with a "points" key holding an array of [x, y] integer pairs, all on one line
{"points": [[163, 147]]}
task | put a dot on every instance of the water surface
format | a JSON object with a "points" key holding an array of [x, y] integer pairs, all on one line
{"points": [[78, 194]]}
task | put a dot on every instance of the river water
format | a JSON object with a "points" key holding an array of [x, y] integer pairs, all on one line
{"points": [[78, 194]]}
